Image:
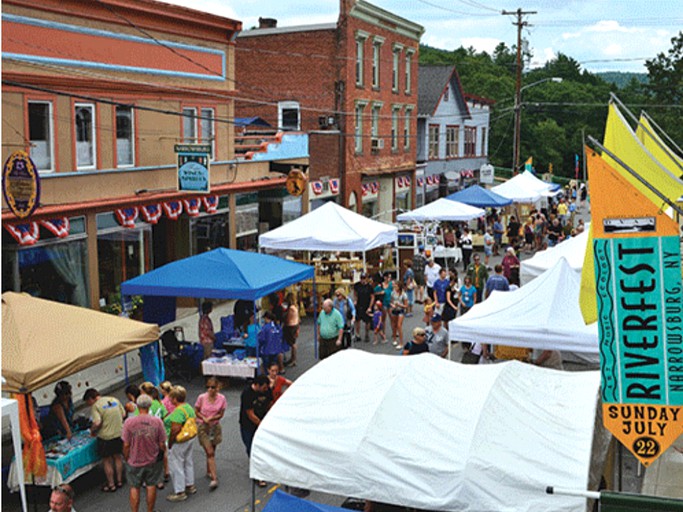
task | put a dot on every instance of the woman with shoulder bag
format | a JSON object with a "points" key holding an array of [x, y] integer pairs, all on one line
{"points": [[210, 408], [183, 428]]}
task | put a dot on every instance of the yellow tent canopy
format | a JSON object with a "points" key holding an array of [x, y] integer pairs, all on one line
{"points": [[44, 341]]}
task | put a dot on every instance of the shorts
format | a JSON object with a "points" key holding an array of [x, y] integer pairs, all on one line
{"points": [[290, 333], [488, 250], [109, 447], [411, 296], [147, 476], [209, 435], [362, 315], [419, 279], [397, 312]]}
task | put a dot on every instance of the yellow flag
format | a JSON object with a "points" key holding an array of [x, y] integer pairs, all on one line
{"points": [[587, 298], [655, 145], [622, 141], [529, 164]]}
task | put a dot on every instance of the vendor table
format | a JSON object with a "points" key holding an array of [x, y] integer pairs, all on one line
{"points": [[66, 461], [229, 366]]}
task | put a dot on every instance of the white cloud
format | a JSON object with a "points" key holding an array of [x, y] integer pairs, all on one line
{"points": [[571, 35], [613, 50], [481, 44]]}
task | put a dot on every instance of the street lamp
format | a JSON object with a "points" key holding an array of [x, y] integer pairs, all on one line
{"points": [[518, 119]]}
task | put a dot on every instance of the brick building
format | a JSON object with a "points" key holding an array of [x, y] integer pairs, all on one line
{"points": [[352, 85]]}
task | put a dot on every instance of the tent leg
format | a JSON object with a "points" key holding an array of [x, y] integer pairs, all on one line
{"points": [[315, 319], [253, 496]]}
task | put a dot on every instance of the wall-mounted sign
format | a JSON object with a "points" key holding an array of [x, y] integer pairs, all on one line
{"points": [[640, 314], [296, 182], [21, 184], [193, 167]]}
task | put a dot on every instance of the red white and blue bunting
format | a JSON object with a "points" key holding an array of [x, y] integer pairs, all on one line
{"points": [[24, 234], [192, 206], [210, 203], [420, 182], [151, 213], [317, 187], [173, 209], [334, 186], [58, 227], [127, 216], [365, 187], [467, 173]]}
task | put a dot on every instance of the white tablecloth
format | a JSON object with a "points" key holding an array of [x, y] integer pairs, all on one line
{"points": [[230, 367]]}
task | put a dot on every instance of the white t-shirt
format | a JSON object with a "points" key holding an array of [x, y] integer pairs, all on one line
{"points": [[432, 274]]}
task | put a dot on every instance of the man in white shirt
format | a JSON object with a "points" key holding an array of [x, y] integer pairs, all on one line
{"points": [[431, 275]]}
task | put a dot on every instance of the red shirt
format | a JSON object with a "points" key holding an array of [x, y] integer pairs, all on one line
{"points": [[206, 334]]}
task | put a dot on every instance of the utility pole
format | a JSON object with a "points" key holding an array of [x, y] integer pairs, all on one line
{"points": [[518, 85]]}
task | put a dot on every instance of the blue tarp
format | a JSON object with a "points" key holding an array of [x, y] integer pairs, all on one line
{"points": [[220, 274], [251, 121], [479, 197], [283, 502]]}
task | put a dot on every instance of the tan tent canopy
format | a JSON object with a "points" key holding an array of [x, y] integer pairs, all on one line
{"points": [[44, 341]]}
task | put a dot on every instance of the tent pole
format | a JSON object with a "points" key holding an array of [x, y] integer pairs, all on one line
{"points": [[315, 319], [365, 268], [253, 496]]}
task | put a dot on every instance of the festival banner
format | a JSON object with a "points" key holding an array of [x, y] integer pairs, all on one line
{"points": [[640, 314]]}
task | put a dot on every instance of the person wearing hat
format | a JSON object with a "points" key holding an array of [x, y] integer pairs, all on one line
{"points": [[417, 345], [436, 337]]}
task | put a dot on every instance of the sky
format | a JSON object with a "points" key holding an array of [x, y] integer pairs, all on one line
{"points": [[602, 35]]}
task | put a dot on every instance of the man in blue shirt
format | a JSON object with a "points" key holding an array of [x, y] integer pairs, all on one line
{"points": [[330, 329], [440, 287], [497, 281]]}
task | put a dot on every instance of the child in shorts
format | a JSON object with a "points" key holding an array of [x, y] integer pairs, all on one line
{"points": [[377, 325], [428, 310]]}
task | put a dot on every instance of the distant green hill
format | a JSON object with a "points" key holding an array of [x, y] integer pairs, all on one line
{"points": [[622, 79]]}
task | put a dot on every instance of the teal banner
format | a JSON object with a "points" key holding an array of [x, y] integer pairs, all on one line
{"points": [[640, 318]]}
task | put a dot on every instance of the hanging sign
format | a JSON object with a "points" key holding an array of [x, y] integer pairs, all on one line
{"points": [[296, 182], [486, 174], [640, 314], [21, 184], [193, 167]]}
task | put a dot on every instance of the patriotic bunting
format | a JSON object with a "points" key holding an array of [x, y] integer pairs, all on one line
{"points": [[374, 187], [173, 209], [127, 216], [25, 234], [151, 213], [334, 186], [317, 187], [210, 203], [420, 182], [192, 206], [58, 227]]}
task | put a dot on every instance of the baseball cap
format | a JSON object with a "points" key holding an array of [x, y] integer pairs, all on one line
{"points": [[436, 318]]}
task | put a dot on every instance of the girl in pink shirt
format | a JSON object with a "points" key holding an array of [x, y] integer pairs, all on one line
{"points": [[210, 408]]}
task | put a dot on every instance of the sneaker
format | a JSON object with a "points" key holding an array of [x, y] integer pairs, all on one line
{"points": [[213, 485], [181, 496], [191, 489], [399, 347]]}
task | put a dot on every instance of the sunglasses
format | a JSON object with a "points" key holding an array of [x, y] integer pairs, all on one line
{"points": [[211, 387], [66, 492], [421, 334]]}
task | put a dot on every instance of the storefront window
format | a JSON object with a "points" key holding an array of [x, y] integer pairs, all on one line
{"points": [[52, 270], [291, 209], [402, 202], [209, 232], [370, 208], [123, 253], [317, 203], [246, 221]]}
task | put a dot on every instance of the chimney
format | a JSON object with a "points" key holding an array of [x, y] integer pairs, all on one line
{"points": [[345, 7], [267, 23]]}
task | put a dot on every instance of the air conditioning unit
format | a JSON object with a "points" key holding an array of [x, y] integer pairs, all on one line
{"points": [[377, 144]]}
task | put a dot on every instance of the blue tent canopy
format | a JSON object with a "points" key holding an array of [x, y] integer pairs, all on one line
{"points": [[220, 274], [479, 197], [283, 502], [251, 121]]}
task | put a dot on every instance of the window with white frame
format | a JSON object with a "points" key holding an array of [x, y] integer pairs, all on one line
{"points": [[433, 141], [208, 130], [409, 70], [395, 67], [358, 133], [288, 115], [406, 128], [84, 117], [40, 134], [360, 58], [452, 141], [189, 125], [394, 127], [374, 130], [125, 140], [376, 53]]}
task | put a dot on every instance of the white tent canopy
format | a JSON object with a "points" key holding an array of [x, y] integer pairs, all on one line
{"points": [[543, 314], [10, 408], [524, 188], [442, 209], [573, 250], [432, 434], [330, 228]]}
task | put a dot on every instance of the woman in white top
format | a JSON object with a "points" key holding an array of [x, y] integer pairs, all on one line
{"points": [[398, 308]]}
